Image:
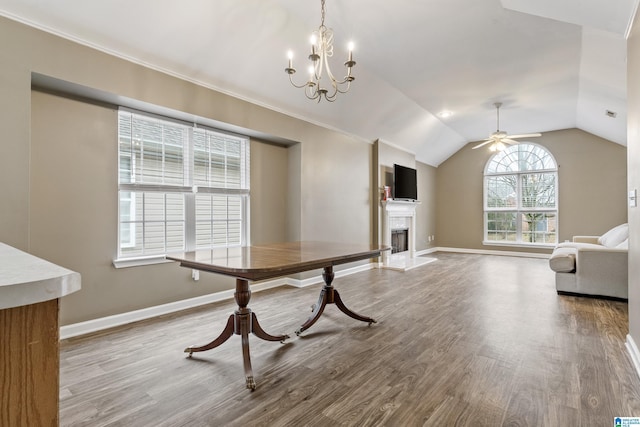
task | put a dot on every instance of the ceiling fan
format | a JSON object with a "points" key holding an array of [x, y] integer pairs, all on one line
{"points": [[499, 138]]}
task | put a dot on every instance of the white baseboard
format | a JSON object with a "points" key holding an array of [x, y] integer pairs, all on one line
{"points": [[426, 251], [492, 252], [634, 353], [94, 325]]}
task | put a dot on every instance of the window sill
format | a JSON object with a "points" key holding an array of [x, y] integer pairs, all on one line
{"points": [[519, 245], [137, 262]]}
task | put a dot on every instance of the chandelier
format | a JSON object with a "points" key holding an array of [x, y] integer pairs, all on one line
{"points": [[321, 51]]}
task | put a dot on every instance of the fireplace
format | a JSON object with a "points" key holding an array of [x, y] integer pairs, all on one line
{"points": [[399, 233], [399, 240], [399, 230]]}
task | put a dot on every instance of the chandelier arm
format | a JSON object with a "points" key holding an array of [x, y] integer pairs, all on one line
{"points": [[306, 84], [339, 87], [346, 80], [319, 66], [334, 81], [347, 89], [334, 84], [334, 93], [311, 91], [332, 97]]}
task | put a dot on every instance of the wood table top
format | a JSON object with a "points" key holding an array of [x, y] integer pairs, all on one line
{"points": [[274, 260]]}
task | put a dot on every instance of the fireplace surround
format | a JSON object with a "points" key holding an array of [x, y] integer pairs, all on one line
{"points": [[399, 216]]}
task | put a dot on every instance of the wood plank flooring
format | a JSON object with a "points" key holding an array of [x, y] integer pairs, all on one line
{"points": [[468, 340]]}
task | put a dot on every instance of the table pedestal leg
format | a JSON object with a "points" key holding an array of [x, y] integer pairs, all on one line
{"points": [[242, 322], [329, 295]]}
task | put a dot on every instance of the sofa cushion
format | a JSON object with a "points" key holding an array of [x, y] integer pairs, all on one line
{"points": [[563, 260], [615, 236]]}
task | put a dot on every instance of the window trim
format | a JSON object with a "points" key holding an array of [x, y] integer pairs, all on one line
{"points": [[519, 210]]}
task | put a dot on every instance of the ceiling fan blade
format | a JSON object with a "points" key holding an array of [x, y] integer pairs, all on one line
{"points": [[482, 144], [525, 135], [509, 141]]}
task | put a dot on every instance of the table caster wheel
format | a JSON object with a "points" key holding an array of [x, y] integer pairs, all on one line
{"points": [[251, 384], [298, 332]]}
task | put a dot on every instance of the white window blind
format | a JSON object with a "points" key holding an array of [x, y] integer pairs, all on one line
{"points": [[180, 187]]}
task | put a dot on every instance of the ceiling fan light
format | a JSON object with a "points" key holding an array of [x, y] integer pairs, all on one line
{"points": [[498, 146]]}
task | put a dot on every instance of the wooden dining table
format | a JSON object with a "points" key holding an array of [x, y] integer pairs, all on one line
{"points": [[261, 262]]}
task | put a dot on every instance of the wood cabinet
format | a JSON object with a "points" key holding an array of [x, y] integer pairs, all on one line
{"points": [[29, 380]]}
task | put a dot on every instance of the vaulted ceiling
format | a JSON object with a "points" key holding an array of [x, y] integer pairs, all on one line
{"points": [[553, 64]]}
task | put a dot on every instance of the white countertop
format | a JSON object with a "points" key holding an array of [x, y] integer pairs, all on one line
{"points": [[26, 279]]}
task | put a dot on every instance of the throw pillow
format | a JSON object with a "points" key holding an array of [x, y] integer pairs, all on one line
{"points": [[615, 236], [623, 245]]}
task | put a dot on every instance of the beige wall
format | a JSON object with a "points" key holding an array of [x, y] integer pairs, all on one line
{"points": [[388, 155], [319, 206], [633, 165], [335, 202], [426, 210], [592, 189], [14, 161], [294, 190], [269, 195]]}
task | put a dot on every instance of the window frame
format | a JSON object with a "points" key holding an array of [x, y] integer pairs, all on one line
{"points": [[519, 209], [189, 190]]}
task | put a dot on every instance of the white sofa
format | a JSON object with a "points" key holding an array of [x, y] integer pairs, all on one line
{"points": [[593, 265]]}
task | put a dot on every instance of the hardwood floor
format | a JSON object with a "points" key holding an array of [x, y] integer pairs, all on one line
{"points": [[469, 340]]}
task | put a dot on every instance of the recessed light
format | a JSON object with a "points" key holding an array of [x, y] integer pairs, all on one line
{"points": [[444, 114]]}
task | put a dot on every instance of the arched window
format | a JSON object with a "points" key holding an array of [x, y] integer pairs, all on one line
{"points": [[521, 196]]}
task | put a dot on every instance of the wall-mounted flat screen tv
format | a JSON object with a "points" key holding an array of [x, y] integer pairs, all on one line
{"points": [[405, 185]]}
